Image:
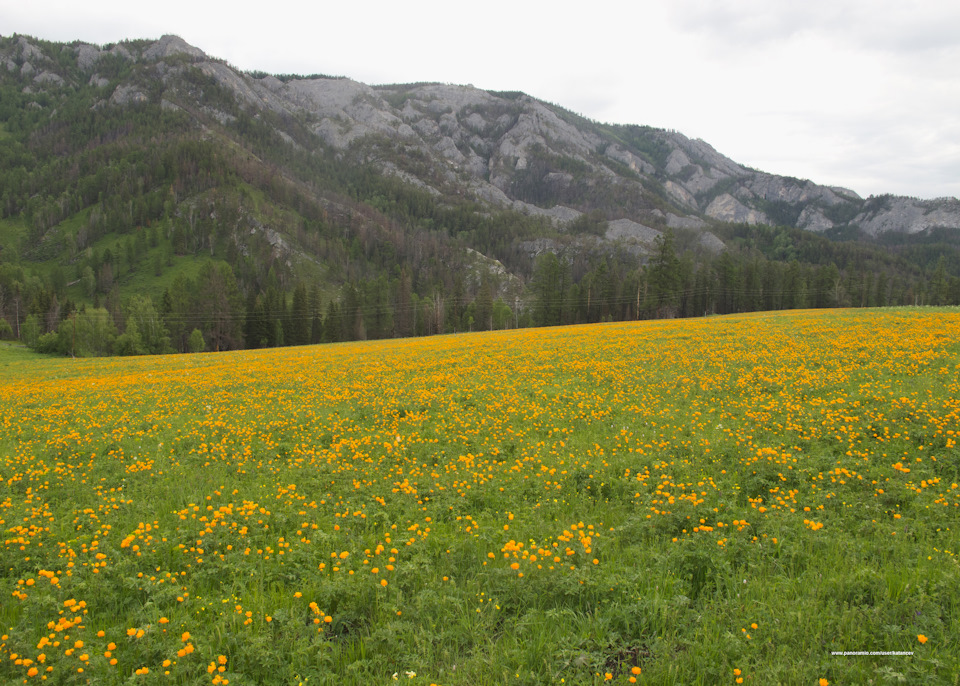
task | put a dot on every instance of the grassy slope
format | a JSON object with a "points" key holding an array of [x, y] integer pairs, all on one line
{"points": [[142, 279], [518, 507]]}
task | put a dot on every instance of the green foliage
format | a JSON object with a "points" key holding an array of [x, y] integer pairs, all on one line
{"points": [[461, 456], [842, 212], [101, 204], [30, 331], [648, 141], [508, 95], [780, 213], [664, 278], [196, 343]]}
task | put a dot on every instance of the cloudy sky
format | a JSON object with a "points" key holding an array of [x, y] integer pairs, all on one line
{"points": [[858, 93]]}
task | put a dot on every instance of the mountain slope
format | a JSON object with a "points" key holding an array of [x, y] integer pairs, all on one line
{"points": [[401, 209]]}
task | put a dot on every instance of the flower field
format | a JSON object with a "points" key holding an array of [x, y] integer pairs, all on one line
{"points": [[724, 500]]}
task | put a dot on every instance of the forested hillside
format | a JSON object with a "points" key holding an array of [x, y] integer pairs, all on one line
{"points": [[153, 199]]}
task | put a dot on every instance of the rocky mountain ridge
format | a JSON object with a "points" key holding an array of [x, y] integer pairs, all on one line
{"points": [[507, 150]]}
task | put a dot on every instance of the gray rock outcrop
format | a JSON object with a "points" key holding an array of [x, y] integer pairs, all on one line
{"points": [[48, 78], [633, 162], [675, 222], [711, 243], [168, 46], [677, 161], [127, 95], [506, 150], [680, 194], [726, 208], [29, 51], [908, 215], [812, 219], [87, 56], [620, 229]]}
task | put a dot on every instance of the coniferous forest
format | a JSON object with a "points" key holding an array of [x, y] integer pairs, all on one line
{"points": [[183, 220]]}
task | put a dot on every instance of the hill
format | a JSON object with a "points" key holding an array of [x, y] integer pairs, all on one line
{"points": [[147, 181]]}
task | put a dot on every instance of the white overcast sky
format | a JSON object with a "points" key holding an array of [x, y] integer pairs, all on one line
{"points": [[858, 93]]}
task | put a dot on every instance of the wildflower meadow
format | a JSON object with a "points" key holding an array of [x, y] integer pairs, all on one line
{"points": [[756, 499]]}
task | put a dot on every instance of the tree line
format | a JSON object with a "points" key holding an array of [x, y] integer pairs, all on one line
{"points": [[210, 312]]}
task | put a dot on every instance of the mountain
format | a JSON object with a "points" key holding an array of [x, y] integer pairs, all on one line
{"points": [[401, 209], [510, 150]]}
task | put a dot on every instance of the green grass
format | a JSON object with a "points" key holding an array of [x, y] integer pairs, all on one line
{"points": [[603, 445], [11, 232]]}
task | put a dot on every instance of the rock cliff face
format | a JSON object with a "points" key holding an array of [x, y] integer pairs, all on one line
{"points": [[504, 149], [907, 215], [727, 208]]}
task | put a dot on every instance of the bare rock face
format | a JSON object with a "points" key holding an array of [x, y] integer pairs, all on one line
{"points": [[487, 192], [845, 192], [793, 191], [347, 110], [539, 246], [702, 181], [558, 214], [476, 123], [712, 243], [120, 51], [627, 229], [251, 91], [709, 157], [29, 51], [675, 222], [329, 97], [633, 162], [87, 56], [48, 78], [539, 126], [127, 95], [680, 194], [813, 219], [889, 213], [677, 161], [726, 208], [168, 46]]}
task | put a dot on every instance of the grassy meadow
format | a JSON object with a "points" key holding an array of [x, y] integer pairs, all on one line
{"points": [[715, 501]]}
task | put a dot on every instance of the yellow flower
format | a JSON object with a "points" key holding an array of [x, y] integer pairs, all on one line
{"points": [[921, 638]]}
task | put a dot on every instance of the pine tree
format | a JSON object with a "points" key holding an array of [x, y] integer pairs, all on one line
{"points": [[484, 301], [547, 287], [300, 317], [664, 277], [316, 317]]}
